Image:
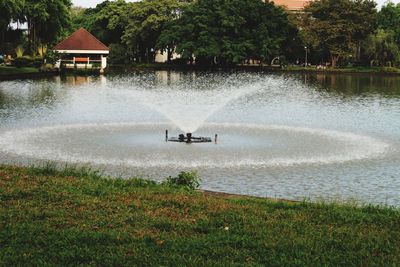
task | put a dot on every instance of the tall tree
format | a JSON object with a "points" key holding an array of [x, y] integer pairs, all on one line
{"points": [[228, 31], [106, 21], [341, 25], [382, 49], [147, 20], [10, 10], [46, 20], [389, 19], [364, 22]]}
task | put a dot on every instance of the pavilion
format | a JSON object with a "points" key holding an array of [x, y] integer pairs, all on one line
{"points": [[82, 50]]}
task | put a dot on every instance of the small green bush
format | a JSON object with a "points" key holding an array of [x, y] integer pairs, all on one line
{"points": [[19, 51], [52, 56], [187, 180], [37, 62], [20, 62]]}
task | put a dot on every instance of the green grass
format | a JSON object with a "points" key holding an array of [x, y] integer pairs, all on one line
{"points": [[7, 70], [74, 217]]}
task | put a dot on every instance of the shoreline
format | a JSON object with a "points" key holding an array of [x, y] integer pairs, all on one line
{"points": [[27, 75], [36, 74], [290, 69]]}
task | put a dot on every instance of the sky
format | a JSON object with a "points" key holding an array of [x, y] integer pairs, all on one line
{"points": [[92, 3]]}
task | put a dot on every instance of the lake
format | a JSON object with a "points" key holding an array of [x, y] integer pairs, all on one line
{"points": [[284, 135]]}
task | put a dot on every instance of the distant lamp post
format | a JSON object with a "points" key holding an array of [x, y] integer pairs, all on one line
{"points": [[305, 64]]}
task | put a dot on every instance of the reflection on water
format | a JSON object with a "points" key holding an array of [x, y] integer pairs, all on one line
{"points": [[281, 135], [356, 84], [41, 92]]}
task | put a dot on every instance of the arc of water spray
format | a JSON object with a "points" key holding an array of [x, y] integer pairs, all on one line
{"points": [[189, 109]]}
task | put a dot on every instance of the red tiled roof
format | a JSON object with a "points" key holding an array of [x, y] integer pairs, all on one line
{"points": [[81, 40], [292, 4]]}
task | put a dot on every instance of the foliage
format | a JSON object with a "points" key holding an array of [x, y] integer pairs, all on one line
{"points": [[187, 180], [23, 61], [46, 20], [146, 22], [12, 39], [78, 19], [37, 62], [220, 32], [117, 54], [27, 61], [106, 21], [382, 48], [10, 10], [228, 31], [19, 51], [52, 56], [389, 19], [42, 50], [340, 25], [58, 219]]}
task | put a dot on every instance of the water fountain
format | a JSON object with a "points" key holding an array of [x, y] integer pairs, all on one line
{"points": [[274, 133], [189, 138]]}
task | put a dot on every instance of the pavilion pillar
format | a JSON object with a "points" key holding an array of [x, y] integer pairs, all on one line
{"points": [[102, 64]]}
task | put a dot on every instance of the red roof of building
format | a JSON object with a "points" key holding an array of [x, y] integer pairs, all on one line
{"points": [[81, 40], [292, 4]]}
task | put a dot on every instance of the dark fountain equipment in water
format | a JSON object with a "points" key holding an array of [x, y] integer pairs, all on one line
{"points": [[189, 138]]}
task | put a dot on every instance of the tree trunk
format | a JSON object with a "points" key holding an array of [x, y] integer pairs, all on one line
{"points": [[334, 59], [169, 54], [31, 34]]}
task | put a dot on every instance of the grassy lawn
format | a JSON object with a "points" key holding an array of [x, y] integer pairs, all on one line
{"points": [[6, 70], [75, 217]]}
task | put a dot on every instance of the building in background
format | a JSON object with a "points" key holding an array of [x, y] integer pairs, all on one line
{"points": [[82, 50], [292, 5]]}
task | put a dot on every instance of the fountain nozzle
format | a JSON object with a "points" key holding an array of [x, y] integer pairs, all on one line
{"points": [[188, 138]]}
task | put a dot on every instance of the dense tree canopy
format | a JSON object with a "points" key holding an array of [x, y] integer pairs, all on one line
{"points": [[228, 31], [107, 20], [389, 19], [46, 20], [222, 32], [382, 49], [341, 25], [146, 22], [10, 10]]}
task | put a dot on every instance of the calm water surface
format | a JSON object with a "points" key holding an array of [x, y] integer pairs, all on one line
{"points": [[289, 136]]}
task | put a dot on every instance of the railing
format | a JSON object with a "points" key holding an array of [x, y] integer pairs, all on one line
{"points": [[81, 63]]}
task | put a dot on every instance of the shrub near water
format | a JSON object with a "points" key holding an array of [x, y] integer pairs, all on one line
{"points": [[187, 180], [24, 61]]}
